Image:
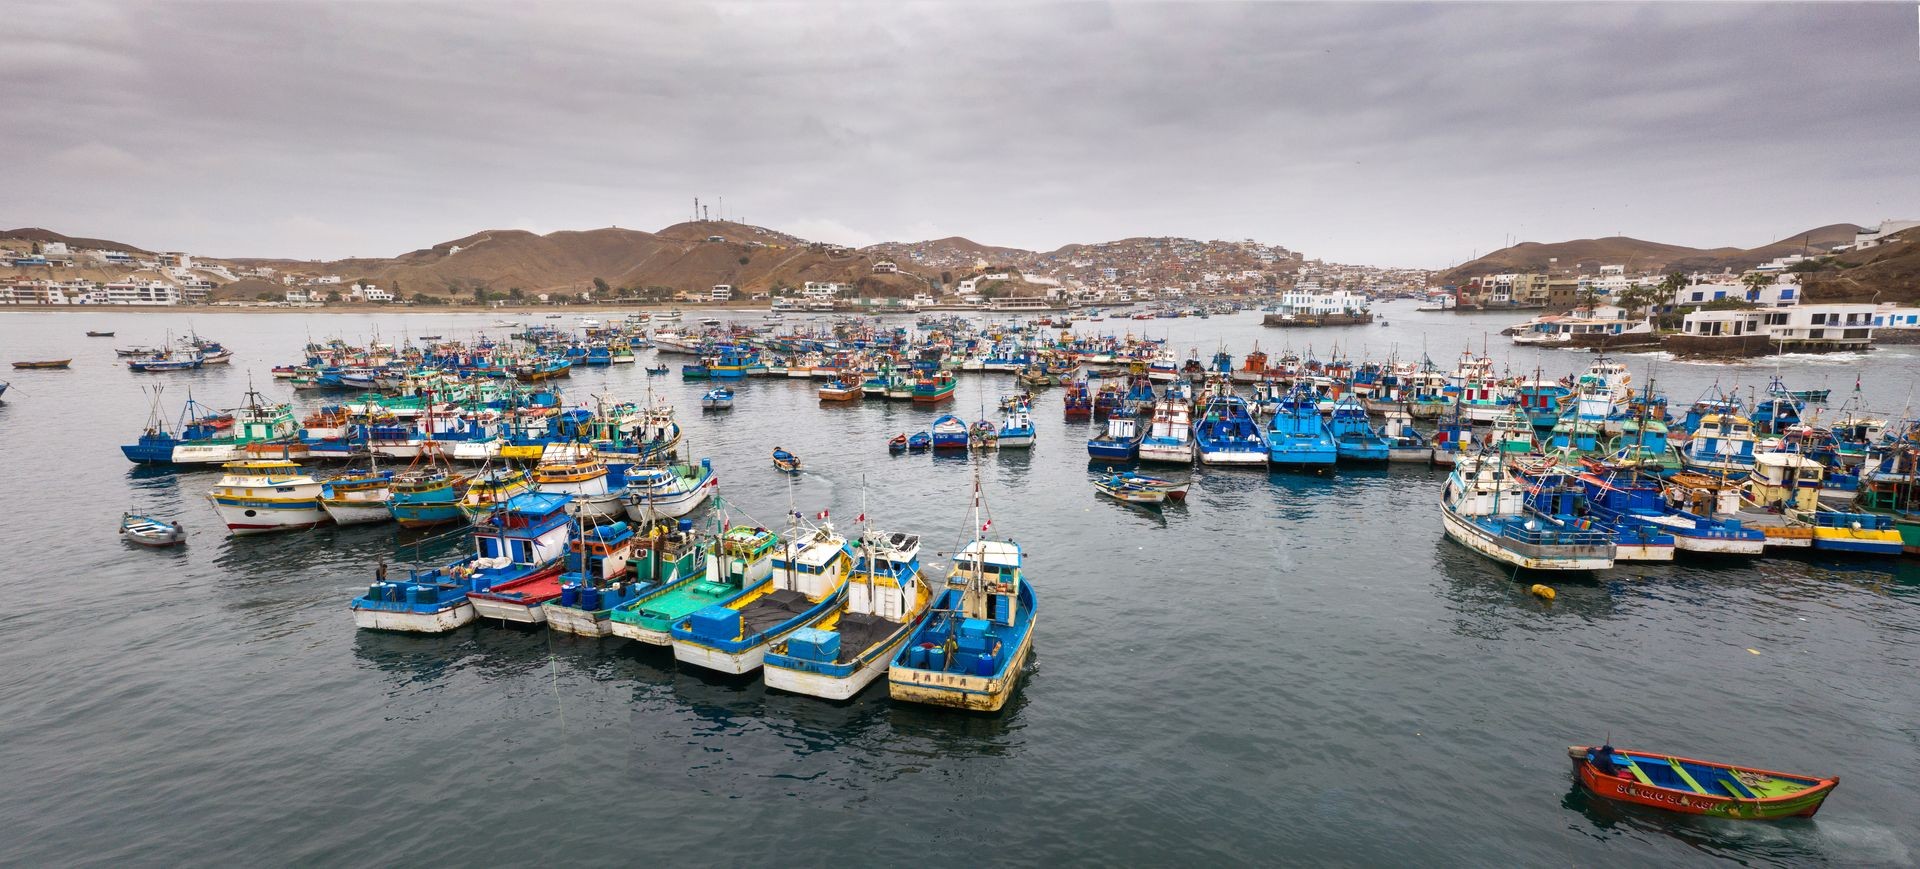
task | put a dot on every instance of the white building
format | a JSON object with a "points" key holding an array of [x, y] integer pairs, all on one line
{"points": [[1836, 323], [820, 290], [1774, 295], [297, 297], [1896, 317], [1867, 238], [722, 293], [138, 293], [886, 267], [1317, 302], [375, 294]]}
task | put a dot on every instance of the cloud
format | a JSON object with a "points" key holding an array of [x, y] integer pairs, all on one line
{"points": [[1399, 134]]}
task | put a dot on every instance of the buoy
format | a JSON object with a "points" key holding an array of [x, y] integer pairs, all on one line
{"points": [[1543, 592]]}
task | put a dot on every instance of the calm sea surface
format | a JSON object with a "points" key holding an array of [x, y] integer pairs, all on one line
{"points": [[1286, 669]]}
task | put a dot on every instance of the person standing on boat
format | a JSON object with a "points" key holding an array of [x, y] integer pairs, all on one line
{"points": [[380, 572]]}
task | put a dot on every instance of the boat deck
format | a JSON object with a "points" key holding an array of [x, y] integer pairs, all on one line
{"points": [[860, 632], [771, 609]]}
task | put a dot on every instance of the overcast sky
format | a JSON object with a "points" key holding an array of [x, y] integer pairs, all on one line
{"points": [[1388, 134]]}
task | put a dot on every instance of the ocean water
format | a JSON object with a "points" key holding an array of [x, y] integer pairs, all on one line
{"points": [[1285, 669]]}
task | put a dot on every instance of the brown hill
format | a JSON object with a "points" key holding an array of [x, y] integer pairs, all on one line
{"points": [[1587, 254], [681, 257], [34, 233], [1888, 272]]}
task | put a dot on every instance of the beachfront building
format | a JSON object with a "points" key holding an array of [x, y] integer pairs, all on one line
{"points": [[721, 293], [1308, 299], [820, 291], [1891, 316], [1833, 326]]}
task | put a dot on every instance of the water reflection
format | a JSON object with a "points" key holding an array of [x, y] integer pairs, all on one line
{"points": [[1477, 587]]}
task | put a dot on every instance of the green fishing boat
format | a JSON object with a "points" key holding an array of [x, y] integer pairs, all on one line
{"points": [[741, 564]]}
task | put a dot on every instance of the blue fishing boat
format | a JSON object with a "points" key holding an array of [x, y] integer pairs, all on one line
{"points": [[1483, 507], [1354, 438], [968, 651], [1720, 443], [809, 580], [1713, 402], [1016, 430], [1226, 434], [949, 433], [919, 441], [785, 462], [522, 540], [1120, 442], [599, 577], [426, 497], [1296, 438], [1542, 401], [717, 398], [1777, 411], [1629, 496], [1554, 495]]}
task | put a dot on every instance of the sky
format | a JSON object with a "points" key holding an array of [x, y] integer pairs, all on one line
{"points": [[1406, 135]]}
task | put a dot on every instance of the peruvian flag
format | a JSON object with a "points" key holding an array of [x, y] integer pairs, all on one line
{"points": [[987, 524], [860, 518], [820, 515]]}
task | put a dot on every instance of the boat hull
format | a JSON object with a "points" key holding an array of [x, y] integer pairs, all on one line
{"points": [[436, 622], [640, 634], [526, 613], [959, 690], [1171, 455], [1480, 540], [1248, 457], [833, 687], [734, 663], [1800, 805], [352, 512], [254, 519], [573, 620]]}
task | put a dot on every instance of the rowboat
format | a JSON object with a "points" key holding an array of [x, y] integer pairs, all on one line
{"points": [[1697, 787], [148, 531], [839, 390], [656, 370], [92, 334], [919, 441], [717, 398], [785, 461], [43, 363], [1115, 486], [898, 444]]}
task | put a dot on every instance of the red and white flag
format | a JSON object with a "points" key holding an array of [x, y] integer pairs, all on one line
{"points": [[860, 518], [820, 515], [987, 524]]}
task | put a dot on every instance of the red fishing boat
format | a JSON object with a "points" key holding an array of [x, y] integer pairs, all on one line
{"points": [[1697, 787], [1079, 405]]}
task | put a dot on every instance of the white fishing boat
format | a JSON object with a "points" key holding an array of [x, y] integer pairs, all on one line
{"points": [[1170, 437], [577, 470], [357, 498], [256, 497], [809, 579], [148, 531], [843, 653], [1483, 507], [669, 492]]}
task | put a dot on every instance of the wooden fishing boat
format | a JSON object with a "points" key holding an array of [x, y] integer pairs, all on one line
{"points": [[898, 444], [839, 390], [841, 654], [809, 581], [43, 364], [657, 370], [93, 334], [1115, 486], [148, 531], [785, 462], [717, 398], [919, 441], [1697, 787]]}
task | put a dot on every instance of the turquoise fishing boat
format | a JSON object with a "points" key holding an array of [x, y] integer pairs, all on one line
{"points": [[809, 580]]}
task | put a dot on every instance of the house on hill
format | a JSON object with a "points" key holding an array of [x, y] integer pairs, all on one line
{"points": [[886, 267]]}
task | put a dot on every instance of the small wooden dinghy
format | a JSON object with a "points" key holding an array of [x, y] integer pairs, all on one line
{"points": [[1697, 787], [898, 444], [92, 334], [656, 370], [148, 531], [837, 390], [785, 461], [43, 363], [1121, 488], [920, 441]]}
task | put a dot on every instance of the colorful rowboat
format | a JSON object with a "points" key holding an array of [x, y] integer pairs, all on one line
{"points": [[1697, 787], [785, 462], [148, 531]]}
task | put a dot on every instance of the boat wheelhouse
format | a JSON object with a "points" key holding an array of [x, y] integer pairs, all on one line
{"points": [[692, 577]]}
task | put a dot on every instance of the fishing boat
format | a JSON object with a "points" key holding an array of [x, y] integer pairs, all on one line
{"points": [[658, 370], [1721, 443], [1483, 507], [839, 390], [1697, 787], [934, 388], [670, 491], [809, 581], [1404, 442], [949, 433], [43, 364], [983, 435], [897, 444], [424, 497], [256, 497], [1016, 429], [1554, 496], [692, 577], [1787, 485], [1354, 438], [1169, 437], [785, 462], [164, 362], [523, 600], [1296, 438], [844, 652], [1888, 487], [717, 398], [490, 488], [577, 470], [597, 579], [1513, 433], [521, 541], [968, 651], [1120, 442], [357, 497], [148, 531], [1078, 404], [1629, 496], [920, 441], [1225, 433], [1121, 487]]}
